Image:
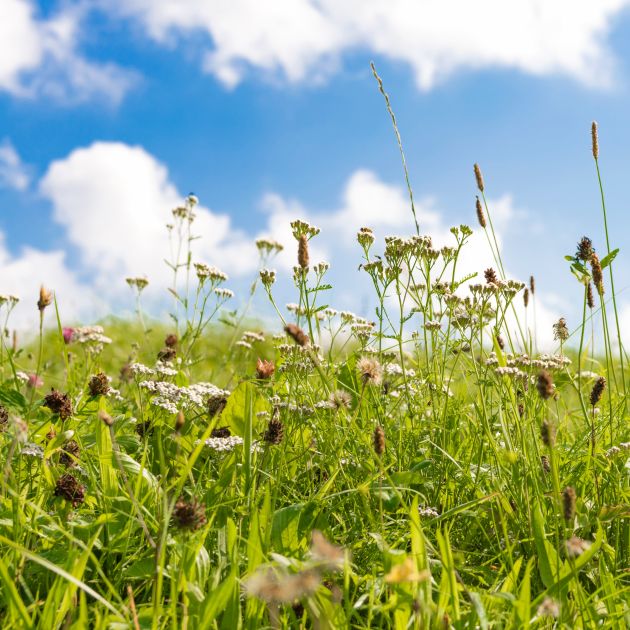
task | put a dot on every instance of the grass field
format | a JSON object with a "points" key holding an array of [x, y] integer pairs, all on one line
{"points": [[426, 468]]}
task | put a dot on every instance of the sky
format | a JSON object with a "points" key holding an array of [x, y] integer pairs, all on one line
{"points": [[111, 112]]}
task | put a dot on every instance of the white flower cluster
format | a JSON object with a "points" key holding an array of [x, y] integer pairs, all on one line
{"points": [[615, 450], [171, 397], [89, 335], [225, 443], [427, 512], [205, 272], [11, 300]]}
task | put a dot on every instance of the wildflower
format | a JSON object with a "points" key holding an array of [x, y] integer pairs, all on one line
{"points": [[340, 399], [303, 257], [584, 249], [266, 246], [549, 608], [576, 546], [324, 552], [297, 334], [548, 434], [406, 571], [478, 177], [427, 512], [302, 228], [99, 385], [69, 454], [379, 440], [544, 385], [370, 370], [189, 515], [68, 488], [226, 294], [205, 272], [568, 503], [67, 333], [598, 390], [264, 369], [594, 140], [275, 431], [365, 237], [267, 277], [59, 403], [560, 330], [598, 276], [139, 283], [222, 444], [34, 381]]}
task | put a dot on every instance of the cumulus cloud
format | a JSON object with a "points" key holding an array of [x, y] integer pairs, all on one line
{"points": [[305, 39], [40, 57], [13, 173]]}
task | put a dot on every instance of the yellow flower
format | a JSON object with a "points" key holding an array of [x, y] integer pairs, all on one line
{"points": [[407, 571]]}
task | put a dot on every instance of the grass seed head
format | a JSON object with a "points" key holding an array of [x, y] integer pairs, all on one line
{"points": [[379, 440], [598, 275], [303, 257], [297, 334], [481, 217], [595, 140], [478, 177], [532, 285], [544, 385], [548, 434], [545, 463], [590, 300], [568, 503], [598, 390], [526, 297]]}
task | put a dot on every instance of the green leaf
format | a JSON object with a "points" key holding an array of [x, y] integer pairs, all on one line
{"points": [[606, 260]]}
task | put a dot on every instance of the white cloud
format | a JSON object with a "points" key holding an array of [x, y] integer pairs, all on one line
{"points": [[13, 173], [40, 57], [305, 39]]}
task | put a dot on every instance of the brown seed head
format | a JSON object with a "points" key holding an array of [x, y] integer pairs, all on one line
{"points": [[491, 276], [532, 285], [221, 432], [595, 140], [190, 515], [303, 257], [4, 417], [99, 385], [568, 503], [69, 454], [264, 369], [481, 217], [548, 434], [171, 340], [526, 297], [215, 405], [180, 421], [545, 463], [59, 403], [379, 440], [560, 330], [478, 177], [45, 298], [544, 385], [68, 488], [590, 300], [598, 275], [274, 432], [297, 334], [584, 249], [598, 390], [500, 342]]}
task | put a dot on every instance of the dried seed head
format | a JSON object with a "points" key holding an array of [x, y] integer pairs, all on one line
{"points": [[69, 454], [598, 276], [544, 385], [303, 257], [532, 285], [590, 300], [189, 515], [180, 421], [171, 340], [598, 390], [478, 177], [379, 440], [595, 140], [297, 334], [370, 370], [481, 217], [167, 354], [215, 405], [546, 465], [275, 431], [568, 503], [99, 385], [45, 298], [59, 403], [105, 418], [491, 276], [68, 488], [560, 330], [584, 249], [548, 434], [264, 369], [526, 297]]}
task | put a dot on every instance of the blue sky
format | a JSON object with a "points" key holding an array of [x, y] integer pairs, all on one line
{"points": [[268, 109]]}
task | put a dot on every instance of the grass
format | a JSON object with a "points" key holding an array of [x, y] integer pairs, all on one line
{"points": [[424, 470]]}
